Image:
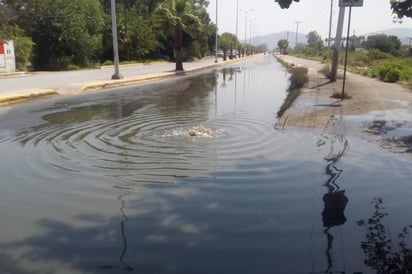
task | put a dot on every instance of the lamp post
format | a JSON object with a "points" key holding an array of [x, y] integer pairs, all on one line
{"points": [[251, 30], [297, 31], [216, 33], [246, 12], [237, 26], [116, 74]]}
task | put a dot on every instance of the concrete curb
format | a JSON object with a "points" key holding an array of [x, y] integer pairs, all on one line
{"points": [[19, 96], [25, 95]]}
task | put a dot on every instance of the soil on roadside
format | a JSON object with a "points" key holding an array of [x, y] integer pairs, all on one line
{"points": [[314, 108]]}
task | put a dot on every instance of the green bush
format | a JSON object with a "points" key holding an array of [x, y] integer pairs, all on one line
{"points": [[309, 51], [390, 72], [73, 67], [108, 63], [359, 56], [376, 54], [23, 48]]}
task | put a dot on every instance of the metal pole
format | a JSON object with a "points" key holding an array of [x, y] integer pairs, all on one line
{"points": [[116, 74], [346, 54], [245, 31], [339, 29], [297, 30], [216, 33], [330, 23], [237, 25]]}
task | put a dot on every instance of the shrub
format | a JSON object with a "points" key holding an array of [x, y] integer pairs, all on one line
{"points": [[108, 63], [23, 47], [298, 78], [390, 72], [73, 67], [376, 54], [338, 95], [361, 57], [326, 70]]}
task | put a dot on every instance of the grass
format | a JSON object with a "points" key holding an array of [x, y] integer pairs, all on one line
{"points": [[338, 95], [298, 78]]}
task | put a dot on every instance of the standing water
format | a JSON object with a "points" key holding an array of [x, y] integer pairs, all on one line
{"points": [[190, 176]]}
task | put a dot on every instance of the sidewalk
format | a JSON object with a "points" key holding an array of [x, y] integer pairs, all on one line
{"points": [[315, 107], [17, 87]]}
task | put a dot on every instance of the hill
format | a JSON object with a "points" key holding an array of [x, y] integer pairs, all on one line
{"points": [[271, 40]]}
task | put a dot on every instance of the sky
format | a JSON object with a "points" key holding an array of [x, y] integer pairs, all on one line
{"points": [[266, 17]]}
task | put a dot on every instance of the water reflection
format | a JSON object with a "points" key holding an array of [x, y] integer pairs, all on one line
{"points": [[384, 254], [334, 200], [126, 266]]}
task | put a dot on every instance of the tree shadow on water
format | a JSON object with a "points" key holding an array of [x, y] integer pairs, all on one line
{"points": [[384, 254]]}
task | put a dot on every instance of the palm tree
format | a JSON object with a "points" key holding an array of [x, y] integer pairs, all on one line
{"points": [[179, 17]]}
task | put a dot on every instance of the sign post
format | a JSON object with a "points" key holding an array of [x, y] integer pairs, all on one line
{"points": [[350, 4]]}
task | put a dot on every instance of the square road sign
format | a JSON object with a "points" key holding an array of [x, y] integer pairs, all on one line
{"points": [[348, 3]]}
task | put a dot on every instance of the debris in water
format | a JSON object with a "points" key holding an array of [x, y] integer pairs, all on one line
{"points": [[200, 131]]}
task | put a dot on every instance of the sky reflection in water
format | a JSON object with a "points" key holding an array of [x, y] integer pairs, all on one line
{"points": [[109, 183]]}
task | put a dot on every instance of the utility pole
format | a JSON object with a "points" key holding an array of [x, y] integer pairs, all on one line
{"points": [[116, 74], [297, 30], [409, 38], [330, 23], [216, 34], [237, 26], [334, 69], [346, 54], [246, 12]]}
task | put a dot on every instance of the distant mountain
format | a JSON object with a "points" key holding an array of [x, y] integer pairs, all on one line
{"points": [[271, 40]]}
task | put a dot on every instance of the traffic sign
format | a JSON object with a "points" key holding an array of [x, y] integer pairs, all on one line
{"points": [[350, 3]]}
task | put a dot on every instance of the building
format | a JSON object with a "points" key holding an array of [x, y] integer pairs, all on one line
{"points": [[7, 57]]}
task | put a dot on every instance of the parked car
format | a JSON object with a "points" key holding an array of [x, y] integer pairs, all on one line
{"points": [[163, 57], [220, 53], [234, 54]]}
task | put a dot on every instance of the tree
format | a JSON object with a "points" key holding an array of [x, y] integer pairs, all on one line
{"points": [[227, 42], [285, 4], [402, 8], [178, 16], [383, 42], [315, 41], [283, 45], [64, 32]]}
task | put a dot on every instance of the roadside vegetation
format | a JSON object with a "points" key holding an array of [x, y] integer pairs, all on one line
{"points": [[75, 34], [377, 56], [297, 80]]}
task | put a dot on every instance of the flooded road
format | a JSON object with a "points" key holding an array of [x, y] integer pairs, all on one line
{"points": [[113, 182]]}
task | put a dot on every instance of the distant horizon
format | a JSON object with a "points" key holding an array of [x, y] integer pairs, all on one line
{"points": [[292, 37], [265, 17]]}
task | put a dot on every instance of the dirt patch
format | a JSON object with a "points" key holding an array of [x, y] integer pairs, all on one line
{"points": [[314, 107]]}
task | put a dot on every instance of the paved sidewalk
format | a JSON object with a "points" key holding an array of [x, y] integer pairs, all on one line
{"points": [[16, 87]]}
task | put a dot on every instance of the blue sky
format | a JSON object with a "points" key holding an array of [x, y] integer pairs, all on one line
{"points": [[267, 17]]}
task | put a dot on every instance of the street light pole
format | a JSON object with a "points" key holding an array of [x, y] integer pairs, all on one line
{"points": [[246, 12], [216, 33], [116, 74], [237, 25], [330, 23], [297, 30]]}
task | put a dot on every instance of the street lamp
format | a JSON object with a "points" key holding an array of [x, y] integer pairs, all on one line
{"points": [[116, 74], [251, 30], [216, 32], [246, 12], [237, 26]]}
